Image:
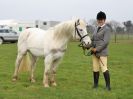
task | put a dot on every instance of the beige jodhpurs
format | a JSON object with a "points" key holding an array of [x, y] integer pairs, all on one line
{"points": [[99, 63]]}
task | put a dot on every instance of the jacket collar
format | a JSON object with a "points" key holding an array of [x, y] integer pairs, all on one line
{"points": [[101, 27]]}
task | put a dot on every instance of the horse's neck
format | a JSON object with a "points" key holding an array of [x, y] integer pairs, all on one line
{"points": [[63, 33], [64, 29]]}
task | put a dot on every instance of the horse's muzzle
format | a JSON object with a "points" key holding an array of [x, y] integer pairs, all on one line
{"points": [[87, 46]]}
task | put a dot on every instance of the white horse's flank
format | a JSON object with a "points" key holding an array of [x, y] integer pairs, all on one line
{"points": [[51, 44]]}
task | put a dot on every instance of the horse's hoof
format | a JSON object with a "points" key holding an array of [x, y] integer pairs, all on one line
{"points": [[54, 84], [14, 79], [46, 85], [33, 80]]}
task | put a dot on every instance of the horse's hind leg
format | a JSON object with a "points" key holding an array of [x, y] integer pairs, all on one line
{"points": [[33, 66], [18, 61]]}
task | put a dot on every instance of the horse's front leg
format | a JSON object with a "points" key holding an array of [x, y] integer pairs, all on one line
{"points": [[53, 72], [48, 62], [52, 79], [46, 79], [33, 66]]}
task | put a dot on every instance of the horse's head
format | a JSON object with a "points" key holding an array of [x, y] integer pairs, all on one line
{"points": [[81, 31]]}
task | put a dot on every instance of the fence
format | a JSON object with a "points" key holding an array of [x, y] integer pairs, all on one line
{"points": [[120, 37]]}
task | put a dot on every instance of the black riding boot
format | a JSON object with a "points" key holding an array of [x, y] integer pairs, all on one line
{"points": [[96, 78], [107, 80]]}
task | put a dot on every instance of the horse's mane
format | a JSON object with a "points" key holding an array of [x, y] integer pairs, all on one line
{"points": [[63, 29]]}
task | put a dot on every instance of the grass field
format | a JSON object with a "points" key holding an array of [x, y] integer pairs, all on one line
{"points": [[74, 75]]}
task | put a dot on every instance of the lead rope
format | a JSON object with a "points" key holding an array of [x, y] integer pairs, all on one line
{"points": [[89, 53], [86, 52]]}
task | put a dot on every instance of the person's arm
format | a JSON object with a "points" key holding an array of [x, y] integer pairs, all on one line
{"points": [[106, 40], [92, 39]]}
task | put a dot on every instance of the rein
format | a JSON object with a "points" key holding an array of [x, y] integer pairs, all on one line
{"points": [[86, 52], [89, 53]]}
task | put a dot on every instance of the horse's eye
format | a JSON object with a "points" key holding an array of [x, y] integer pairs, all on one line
{"points": [[80, 29]]}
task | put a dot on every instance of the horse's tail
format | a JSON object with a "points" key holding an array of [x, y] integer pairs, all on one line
{"points": [[25, 64]]}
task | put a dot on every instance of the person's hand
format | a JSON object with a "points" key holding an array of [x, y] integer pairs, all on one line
{"points": [[93, 50]]}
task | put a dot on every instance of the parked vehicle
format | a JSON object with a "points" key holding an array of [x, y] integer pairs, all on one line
{"points": [[8, 35]]}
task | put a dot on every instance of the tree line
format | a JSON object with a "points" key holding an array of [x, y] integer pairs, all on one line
{"points": [[116, 27]]}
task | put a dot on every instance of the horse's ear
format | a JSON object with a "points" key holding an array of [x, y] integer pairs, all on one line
{"points": [[78, 22]]}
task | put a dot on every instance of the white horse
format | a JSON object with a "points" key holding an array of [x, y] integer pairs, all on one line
{"points": [[51, 44]]}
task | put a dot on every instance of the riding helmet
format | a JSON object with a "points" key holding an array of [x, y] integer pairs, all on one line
{"points": [[101, 15]]}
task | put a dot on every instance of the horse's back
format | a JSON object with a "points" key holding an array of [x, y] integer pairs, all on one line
{"points": [[30, 35], [33, 39]]}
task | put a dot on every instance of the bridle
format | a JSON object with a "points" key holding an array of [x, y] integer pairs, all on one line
{"points": [[77, 31], [81, 38]]}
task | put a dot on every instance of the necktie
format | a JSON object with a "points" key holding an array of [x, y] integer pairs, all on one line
{"points": [[98, 29]]}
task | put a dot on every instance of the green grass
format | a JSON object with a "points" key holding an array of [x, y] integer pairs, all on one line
{"points": [[74, 75]]}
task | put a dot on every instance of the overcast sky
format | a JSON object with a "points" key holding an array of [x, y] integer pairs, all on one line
{"points": [[120, 10]]}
